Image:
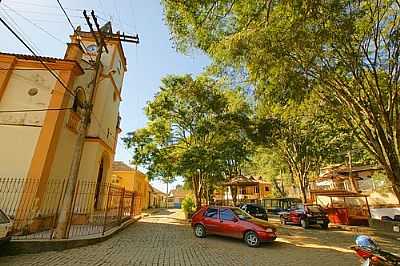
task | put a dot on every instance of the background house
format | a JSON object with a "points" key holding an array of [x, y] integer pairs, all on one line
{"points": [[246, 188], [133, 180], [176, 196]]}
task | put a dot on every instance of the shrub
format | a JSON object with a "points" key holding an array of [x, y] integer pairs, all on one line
{"points": [[188, 204]]}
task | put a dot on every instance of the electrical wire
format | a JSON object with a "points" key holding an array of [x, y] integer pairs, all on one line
{"points": [[38, 69], [34, 24], [20, 125], [35, 110], [37, 57], [18, 29], [41, 5], [46, 13], [73, 28]]}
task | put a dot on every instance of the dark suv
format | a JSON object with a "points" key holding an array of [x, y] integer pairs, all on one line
{"points": [[255, 210]]}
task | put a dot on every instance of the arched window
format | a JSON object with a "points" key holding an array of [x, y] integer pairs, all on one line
{"points": [[79, 101]]}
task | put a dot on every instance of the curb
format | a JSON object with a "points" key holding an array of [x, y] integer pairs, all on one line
{"points": [[17, 247]]}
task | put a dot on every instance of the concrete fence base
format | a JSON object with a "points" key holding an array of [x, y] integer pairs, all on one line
{"points": [[386, 228], [16, 247]]}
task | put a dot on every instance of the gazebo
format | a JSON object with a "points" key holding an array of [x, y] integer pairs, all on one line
{"points": [[344, 207]]}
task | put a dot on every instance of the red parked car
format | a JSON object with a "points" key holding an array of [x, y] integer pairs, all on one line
{"points": [[305, 215], [232, 222]]}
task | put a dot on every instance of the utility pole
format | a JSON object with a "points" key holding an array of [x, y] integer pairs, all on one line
{"points": [[67, 201]]}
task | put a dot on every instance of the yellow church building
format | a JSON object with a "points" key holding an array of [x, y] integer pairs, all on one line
{"points": [[40, 120]]}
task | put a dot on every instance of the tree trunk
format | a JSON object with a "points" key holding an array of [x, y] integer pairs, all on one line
{"points": [[396, 190], [303, 193], [303, 188], [196, 183], [395, 183], [166, 201], [234, 194]]}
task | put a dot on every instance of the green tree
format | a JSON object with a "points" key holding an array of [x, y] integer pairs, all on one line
{"points": [[348, 51], [304, 136], [196, 129]]}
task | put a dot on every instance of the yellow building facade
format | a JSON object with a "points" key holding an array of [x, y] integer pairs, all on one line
{"points": [[40, 120], [133, 180]]}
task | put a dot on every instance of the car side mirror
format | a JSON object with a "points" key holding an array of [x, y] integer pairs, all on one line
{"points": [[235, 220]]}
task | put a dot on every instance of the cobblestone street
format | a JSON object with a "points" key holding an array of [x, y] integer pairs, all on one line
{"points": [[164, 239]]}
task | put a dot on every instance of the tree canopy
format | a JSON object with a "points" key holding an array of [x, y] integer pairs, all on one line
{"points": [[345, 51], [196, 129]]}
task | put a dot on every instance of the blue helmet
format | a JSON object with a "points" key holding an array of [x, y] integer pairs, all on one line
{"points": [[366, 242]]}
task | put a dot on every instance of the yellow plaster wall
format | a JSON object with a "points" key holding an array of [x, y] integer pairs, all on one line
{"points": [[14, 139], [135, 181]]}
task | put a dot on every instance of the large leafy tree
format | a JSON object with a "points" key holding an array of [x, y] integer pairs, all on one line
{"points": [[196, 129], [346, 50], [305, 137]]}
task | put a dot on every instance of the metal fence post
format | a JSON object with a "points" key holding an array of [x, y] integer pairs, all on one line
{"points": [[73, 209], [121, 205], [133, 205], [107, 206], [54, 223]]}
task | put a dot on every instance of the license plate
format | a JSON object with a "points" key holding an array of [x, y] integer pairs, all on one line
{"points": [[366, 262], [320, 222], [259, 215], [396, 229]]}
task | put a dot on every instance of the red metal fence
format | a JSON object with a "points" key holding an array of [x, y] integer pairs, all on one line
{"points": [[34, 207]]}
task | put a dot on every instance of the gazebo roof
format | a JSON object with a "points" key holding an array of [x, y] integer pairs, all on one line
{"points": [[242, 180], [336, 193], [343, 171]]}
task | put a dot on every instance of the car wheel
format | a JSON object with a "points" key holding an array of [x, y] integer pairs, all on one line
{"points": [[324, 226], [199, 231], [283, 221], [304, 223], [252, 239]]}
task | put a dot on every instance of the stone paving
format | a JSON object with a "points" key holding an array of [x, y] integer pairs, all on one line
{"points": [[164, 239]]}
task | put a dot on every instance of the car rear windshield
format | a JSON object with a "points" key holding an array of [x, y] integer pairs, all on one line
{"points": [[314, 208], [3, 218]]}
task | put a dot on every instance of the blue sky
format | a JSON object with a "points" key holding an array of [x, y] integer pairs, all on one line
{"points": [[148, 62]]}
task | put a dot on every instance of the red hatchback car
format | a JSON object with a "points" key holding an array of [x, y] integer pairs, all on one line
{"points": [[232, 222]]}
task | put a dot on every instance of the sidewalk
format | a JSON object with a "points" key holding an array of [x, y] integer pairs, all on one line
{"points": [[19, 245]]}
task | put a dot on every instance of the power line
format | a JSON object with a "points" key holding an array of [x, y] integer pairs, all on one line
{"points": [[37, 57], [46, 13], [41, 5], [73, 28], [21, 32], [34, 24], [38, 69], [50, 6], [35, 110], [66, 15], [20, 125]]}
